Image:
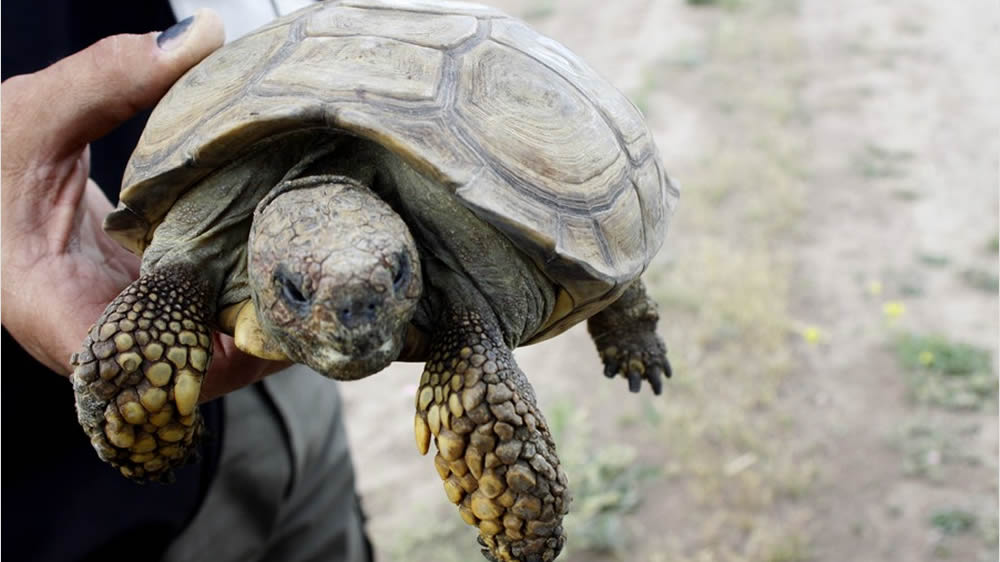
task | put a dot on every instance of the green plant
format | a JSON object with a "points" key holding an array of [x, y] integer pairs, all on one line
{"points": [[933, 260], [606, 482], [874, 161], [640, 96], [730, 4], [539, 9], [447, 540], [953, 521], [946, 357], [945, 373], [981, 279], [928, 448], [906, 194], [792, 548]]}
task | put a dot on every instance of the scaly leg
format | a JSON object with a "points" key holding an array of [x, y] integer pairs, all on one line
{"points": [[139, 375], [495, 453], [625, 335]]}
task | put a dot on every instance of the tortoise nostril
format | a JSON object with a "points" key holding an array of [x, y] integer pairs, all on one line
{"points": [[356, 312]]}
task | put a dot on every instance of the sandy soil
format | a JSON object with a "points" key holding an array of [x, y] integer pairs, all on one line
{"points": [[839, 164]]}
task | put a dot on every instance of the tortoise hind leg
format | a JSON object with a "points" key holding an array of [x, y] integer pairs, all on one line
{"points": [[626, 338], [138, 377], [495, 453]]}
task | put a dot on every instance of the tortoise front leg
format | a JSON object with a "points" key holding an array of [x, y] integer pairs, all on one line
{"points": [[626, 338], [495, 453], [138, 377]]}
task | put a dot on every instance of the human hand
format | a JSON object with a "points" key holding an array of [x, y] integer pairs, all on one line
{"points": [[60, 270]]}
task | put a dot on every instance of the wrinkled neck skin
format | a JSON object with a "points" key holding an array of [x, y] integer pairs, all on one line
{"points": [[343, 188], [334, 275]]}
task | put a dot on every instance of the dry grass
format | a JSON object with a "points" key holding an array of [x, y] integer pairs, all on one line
{"points": [[725, 298], [729, 466]]}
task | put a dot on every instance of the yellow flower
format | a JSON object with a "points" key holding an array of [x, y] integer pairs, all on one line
{"points": [[893, 309], [874, 287], [926, 358], [812, 335]]}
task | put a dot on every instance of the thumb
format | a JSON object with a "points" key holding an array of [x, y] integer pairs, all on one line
{"points": [[89, 93]]}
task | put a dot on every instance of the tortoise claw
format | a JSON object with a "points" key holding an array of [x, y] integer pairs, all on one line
{"points": [[655, 376], [636, 356], [610, 367], [634, 381]]}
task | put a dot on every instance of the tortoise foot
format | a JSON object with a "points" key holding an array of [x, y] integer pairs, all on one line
{"points": [[637, 357], [495, 453], [626, 338], [138, 377]]}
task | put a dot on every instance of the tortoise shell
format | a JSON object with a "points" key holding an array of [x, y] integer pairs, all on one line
{"points": [[523, 132]]}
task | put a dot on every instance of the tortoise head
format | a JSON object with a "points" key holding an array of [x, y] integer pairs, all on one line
{"points": [[334, 274]]}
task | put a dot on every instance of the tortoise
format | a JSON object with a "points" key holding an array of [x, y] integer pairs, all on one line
{"points": [[367, 181]]}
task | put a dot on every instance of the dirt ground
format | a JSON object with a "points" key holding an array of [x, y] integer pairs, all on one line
{"points": [[828, 293]]}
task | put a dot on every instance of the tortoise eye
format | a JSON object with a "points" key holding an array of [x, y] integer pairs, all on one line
{"points": [[401, 276], [290, 288]]}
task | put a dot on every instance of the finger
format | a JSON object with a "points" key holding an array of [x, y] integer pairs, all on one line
{"points": [[84, 96], [232, 369]]}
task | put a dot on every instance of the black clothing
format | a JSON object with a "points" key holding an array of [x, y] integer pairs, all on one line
{"points": [[60, 501]]}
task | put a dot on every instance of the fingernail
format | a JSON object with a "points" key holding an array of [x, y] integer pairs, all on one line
{"points": [[170, 37]]}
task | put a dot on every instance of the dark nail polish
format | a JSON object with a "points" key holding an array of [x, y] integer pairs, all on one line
{"points": [[163, 40]]}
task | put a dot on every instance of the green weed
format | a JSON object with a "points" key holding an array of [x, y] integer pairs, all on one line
{"points": [[790, 548], [730, 4], [934, 260], [939, 354], [688, 57], [875, 162], [539, 10], [953, 521], [906, 194], [448, 539], [981, 279], [928, 448], [640, 96], [989, 532], [993, 246], [606, 482], [945, 373]]}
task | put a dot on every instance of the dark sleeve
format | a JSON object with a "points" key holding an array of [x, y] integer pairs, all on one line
{"points": [[60, 501]]}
